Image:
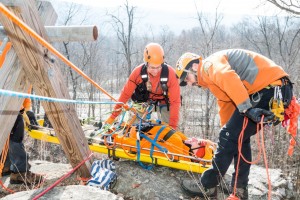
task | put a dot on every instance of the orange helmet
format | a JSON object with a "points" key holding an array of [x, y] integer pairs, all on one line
{"points": [[27, 101], [184, 63], [154, 54]]}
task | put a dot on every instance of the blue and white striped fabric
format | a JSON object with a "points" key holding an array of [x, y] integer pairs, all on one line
{"points": [[102, 174], [99, 164]]}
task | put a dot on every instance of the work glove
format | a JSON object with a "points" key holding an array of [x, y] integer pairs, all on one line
{"points": [[107, 124], [109, 120], [255, 114], [102, 127]]}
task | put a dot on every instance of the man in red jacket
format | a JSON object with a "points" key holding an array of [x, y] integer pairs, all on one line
{"points": [[245, 84], [154, 81]]}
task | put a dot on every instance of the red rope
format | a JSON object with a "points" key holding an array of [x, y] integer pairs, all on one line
{"points": [[266, 163], [5, 188], [62, 178], [240, 142]]}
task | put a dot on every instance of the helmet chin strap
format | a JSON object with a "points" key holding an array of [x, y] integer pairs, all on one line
{"points": [[196, 77]]}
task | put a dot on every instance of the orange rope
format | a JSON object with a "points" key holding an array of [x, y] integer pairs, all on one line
{"points": [[258, 146], [240, 142], [233, 196], [47, 45], [2, 161], [3, 155]]}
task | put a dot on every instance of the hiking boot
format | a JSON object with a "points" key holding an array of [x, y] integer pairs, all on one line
{"points": [[193, 189], [242, 193], [28, 178], [6, 171]]}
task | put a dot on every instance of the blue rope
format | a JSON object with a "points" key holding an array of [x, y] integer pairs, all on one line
{"points": [[153, 143], [49, 99]]}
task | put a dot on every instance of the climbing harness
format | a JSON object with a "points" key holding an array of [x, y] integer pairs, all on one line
{"points": [[143, 90]]}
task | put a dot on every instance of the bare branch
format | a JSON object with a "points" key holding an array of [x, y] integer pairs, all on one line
{"points": [[291, 6]]}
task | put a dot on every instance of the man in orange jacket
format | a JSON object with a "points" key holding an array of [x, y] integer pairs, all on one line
{"points": [[146, 83], [245, 84]]}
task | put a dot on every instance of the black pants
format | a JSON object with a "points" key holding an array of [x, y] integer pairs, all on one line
{"points": [[228, 146], [17, 157], [32, 118]]}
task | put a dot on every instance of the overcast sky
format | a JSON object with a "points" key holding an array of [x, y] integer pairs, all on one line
{"points": [[227, 6], [181, 14]]}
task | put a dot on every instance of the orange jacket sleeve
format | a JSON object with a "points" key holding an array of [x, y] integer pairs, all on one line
{"points": [[174, 98], [128, 89], [229, 83]]}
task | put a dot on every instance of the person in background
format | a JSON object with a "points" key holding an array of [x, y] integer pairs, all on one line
{"points": [[246, 85], [153, 81], [17, 164]]}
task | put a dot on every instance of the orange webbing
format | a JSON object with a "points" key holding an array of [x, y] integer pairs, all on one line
{"points": [[3, 155], [4, 52], [292, 113]]}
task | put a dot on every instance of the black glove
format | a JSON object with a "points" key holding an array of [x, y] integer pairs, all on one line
{"points": [[255, 114]]}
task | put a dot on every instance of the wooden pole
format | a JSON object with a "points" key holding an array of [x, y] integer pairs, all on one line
{"points": [[12, 76], [66, 33], [47, 80]]}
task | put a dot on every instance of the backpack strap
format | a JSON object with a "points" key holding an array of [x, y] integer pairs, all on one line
{"points": [[164, 77], [144, 74]]}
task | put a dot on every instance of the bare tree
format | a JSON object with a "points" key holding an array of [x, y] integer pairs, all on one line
{"points": [[124, 31], [291, 6], [209, 26], [276, 37], [73, 12]]}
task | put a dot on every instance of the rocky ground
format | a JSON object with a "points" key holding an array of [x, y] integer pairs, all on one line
{"points": [[134, 182]]}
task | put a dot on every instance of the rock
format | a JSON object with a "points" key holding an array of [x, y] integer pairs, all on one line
{"points": [[75, 192], [158, 183]]}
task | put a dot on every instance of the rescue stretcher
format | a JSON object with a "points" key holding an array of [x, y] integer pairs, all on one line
{"points": [[155, 144]]}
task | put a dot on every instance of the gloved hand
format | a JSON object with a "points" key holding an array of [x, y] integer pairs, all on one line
{"points": [[255, 114], [107, 124], [109, 120]]}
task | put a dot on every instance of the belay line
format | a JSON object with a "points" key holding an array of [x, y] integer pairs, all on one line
{"points": [[49, 99]]}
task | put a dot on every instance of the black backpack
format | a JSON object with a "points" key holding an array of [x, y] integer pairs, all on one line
{"points": [[141, 94]]}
